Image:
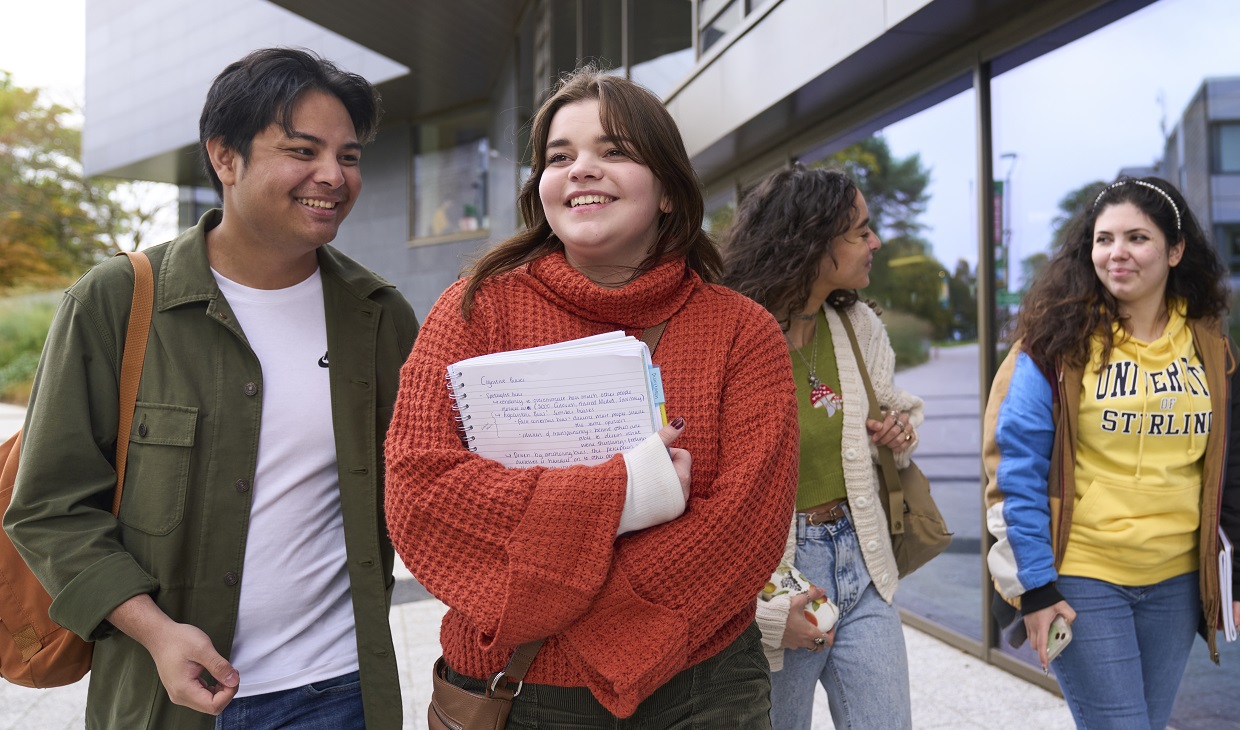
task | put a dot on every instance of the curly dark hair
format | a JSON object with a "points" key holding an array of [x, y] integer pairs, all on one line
{"points": [[1067, 303], [644, 130], [782, 230]]}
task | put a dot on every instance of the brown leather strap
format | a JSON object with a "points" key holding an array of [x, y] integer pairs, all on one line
{"points": [[131, 362], [652, 335], [891, 475]]}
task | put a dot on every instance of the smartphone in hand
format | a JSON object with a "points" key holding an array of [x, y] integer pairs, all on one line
{"points": [[1058, 638]]}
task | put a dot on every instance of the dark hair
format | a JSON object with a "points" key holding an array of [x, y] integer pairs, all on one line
{"points": [[1067, 303], [643, 130], [782, 230], [261, 89]]}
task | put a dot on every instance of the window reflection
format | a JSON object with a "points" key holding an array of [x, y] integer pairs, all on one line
{"points": [[1176, 115], [918, 178], [450, 166]]}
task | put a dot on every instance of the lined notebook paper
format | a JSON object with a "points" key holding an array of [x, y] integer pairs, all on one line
{"points": [[1224, 578], [575, 402]]}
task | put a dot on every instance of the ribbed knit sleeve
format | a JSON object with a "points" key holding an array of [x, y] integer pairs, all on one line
{"points": [[520, 554]]}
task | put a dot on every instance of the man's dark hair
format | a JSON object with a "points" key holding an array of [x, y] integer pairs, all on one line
{"points": [[251, 94]]}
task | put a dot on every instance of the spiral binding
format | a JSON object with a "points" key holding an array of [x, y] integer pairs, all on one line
{"points": [[458, 407]]}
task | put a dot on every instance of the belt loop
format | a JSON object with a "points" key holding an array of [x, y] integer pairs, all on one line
{"points": [[802, 518]]}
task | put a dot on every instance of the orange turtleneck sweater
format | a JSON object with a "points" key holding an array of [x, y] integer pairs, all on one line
{"points": [[521, 554]]}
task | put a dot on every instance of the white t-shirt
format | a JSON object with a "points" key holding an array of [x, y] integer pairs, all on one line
{"points": [[295, 624]]}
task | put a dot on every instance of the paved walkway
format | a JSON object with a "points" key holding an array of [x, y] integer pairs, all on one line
{"points": [[951, 690]]}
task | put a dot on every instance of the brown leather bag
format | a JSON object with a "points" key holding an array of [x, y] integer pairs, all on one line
{"points": [[34, 650], [454, 708], [918, 532]]}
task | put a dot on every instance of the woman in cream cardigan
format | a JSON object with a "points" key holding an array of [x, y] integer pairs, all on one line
{"points": [[801, 245]]}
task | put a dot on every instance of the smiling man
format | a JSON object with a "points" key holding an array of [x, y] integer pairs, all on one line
{"points": [[248, 573]]}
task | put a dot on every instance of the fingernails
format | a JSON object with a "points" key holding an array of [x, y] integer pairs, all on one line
{"points": [[677, 423]]}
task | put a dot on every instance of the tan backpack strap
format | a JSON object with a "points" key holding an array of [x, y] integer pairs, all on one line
{"points": [[131, 362], [651, 335], [887, 461]]}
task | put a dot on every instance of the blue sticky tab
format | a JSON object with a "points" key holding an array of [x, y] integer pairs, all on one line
{"points": [[656, 384]]}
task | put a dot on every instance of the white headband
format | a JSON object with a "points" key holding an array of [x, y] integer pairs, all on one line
{"points": [[1143, 184]]}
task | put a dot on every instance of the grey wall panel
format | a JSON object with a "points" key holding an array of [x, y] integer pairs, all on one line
{"points": [[795, 43], [149, 64]]}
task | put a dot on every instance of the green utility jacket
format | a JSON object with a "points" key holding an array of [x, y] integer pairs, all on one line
{"points": [[193, 449]]}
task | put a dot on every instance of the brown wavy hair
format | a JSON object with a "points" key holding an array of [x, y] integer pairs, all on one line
{"points": [[645, 132], [1067, 303], [782, 230]]}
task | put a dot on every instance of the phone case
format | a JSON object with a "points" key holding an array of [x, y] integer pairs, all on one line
{"points": [[1059, 637]]}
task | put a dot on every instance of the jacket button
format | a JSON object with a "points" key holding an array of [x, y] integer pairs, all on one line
{"points": [[850, 454], [142, 430], [251, 388], [230, 578], [242, 486], [872, 545], [863, 501]]}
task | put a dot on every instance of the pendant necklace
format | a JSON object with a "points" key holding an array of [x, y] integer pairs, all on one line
{"points": [[820, 394], [812, 364]]}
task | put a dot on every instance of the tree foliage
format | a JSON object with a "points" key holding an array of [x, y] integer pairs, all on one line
{"points": [[54, 221], [905, 275]]}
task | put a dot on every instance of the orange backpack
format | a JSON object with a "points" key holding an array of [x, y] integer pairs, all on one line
{"points": [[34, 650]]}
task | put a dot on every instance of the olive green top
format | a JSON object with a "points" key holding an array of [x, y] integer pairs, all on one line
{"points": [[822, 425]]}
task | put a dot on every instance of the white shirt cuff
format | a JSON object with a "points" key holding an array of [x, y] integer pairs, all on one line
{"points": [[653, 494]]}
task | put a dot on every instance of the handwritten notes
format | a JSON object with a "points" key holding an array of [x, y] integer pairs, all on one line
{"points": [[577, 402]]}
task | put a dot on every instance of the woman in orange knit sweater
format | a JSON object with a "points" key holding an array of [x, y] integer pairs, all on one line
{"points": [[639, 571]]}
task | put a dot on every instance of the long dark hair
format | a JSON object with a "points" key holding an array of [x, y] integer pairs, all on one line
{"points": [[643, 129], [782, 230], [1067, 303]]}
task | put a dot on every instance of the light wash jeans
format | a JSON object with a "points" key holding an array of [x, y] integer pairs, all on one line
{"points": [[332, 704], [865, 673], [1129, 647]]}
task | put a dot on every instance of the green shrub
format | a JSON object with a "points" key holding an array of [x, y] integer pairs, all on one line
{"points": [[24, 322], [910, 337]]}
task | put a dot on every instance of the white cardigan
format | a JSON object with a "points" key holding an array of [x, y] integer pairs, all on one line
{"points": [[860, 459]]}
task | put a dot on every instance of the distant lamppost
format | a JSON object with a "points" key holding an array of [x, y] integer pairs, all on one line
{"points": [[1006, 228]]}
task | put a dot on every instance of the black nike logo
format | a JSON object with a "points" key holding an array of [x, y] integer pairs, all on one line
{"points": [[323, 360]]}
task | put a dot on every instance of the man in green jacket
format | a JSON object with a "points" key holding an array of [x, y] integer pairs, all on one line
{"points": [[249, 573]]}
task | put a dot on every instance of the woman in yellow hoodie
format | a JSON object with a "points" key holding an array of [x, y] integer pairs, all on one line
{"points": [[1105, 439]]}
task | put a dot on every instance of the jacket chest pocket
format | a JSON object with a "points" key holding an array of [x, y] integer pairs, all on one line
{"points": [[161, 441]]}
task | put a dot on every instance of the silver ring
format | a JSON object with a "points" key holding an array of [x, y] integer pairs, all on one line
{"points": [[820, 641], [900, 423]]}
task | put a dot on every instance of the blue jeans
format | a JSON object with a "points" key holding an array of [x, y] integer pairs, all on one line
{"points": [[332, 704], [865, 673], [1128, 651]]}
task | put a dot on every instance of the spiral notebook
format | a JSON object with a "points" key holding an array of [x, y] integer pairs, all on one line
{"points": [[574, 402]]}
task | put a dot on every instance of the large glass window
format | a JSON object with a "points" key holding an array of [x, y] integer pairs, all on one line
{"points": [[450, 163], [601, 33], [717, 18], [1060, 134], [1226, 143], [919, 176], [661, 43]]}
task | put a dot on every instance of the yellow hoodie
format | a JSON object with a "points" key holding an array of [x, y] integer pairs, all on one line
{"points": [[1141, 435]]}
